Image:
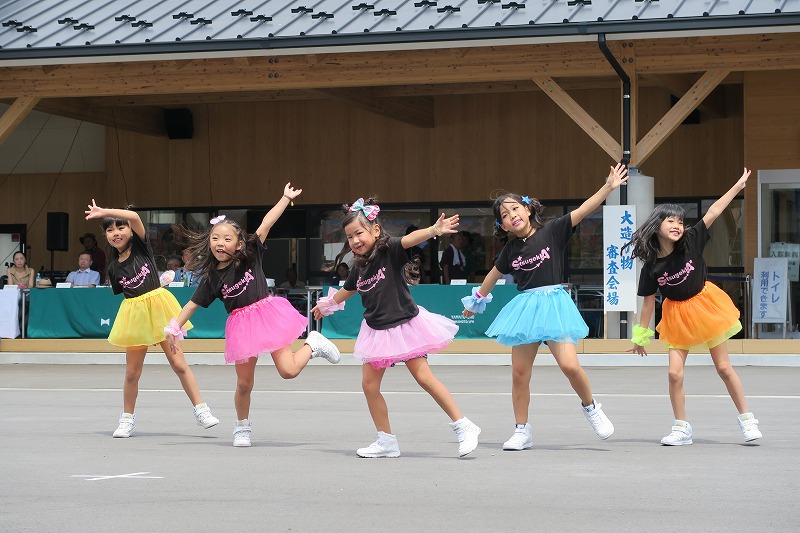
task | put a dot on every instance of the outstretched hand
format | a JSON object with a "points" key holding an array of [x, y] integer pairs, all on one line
{"points": [[446, 225], [617, 176], [94, 211], [290, 192], [742, 183]]}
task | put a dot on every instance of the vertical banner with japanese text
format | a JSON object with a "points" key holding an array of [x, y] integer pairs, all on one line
{"points": [[619, 270], [770, 289]]}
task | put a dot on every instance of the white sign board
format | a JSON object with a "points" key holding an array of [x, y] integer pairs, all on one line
{"points": [[790, 251], [619, 270], [770, 290]]}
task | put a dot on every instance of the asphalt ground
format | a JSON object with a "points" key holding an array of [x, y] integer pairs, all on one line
{"points": [[60, 469]]}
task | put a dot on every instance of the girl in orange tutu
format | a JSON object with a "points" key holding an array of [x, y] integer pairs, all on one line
{"points": [[694, 312]]}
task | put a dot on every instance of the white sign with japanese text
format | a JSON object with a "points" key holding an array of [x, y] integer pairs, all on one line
{"points": [[791, 251], [619, 270], [770, 289]]}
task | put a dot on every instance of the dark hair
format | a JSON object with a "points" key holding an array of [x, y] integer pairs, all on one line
{"points": [[117, 222], [19, 252], [644, 241], [201, 261], [410, 269], [534, 208]]}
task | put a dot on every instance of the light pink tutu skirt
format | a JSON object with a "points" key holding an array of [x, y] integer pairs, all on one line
{"points": [[262, 327], [425, 333]]}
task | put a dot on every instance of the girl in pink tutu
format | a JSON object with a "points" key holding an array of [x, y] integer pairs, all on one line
{"points": [[229, 262], [394, 329]]}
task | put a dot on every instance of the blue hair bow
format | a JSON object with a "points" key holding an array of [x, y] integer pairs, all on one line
{"points": [[370, 211]]}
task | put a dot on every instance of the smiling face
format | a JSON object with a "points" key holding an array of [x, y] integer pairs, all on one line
{"points": [[360, 237], [515, 217], [119, 236], [671, 230], [224, 242]]}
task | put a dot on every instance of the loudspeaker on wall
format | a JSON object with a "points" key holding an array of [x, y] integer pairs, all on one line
{"points": [[57, 232], [179, 123]]}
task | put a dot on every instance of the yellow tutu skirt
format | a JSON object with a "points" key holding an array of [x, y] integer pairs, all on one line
{"points": [[708, 318], [141, 320]]}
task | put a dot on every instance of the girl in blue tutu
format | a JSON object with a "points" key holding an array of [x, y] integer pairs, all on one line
{"points": [[394, 328], [542, 311], [140, 320], [229, 263]]}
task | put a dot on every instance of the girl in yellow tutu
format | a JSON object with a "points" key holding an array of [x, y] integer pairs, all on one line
{"points": [[143, 313], [694, 312]]}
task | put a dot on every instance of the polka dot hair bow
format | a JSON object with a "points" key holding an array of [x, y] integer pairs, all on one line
{"points": [[370, 211]]}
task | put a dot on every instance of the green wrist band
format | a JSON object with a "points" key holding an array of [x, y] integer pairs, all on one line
{"points": [[641, 336]]}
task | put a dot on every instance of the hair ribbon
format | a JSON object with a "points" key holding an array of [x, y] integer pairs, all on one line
{"points": [[370, 211], [216, 220]]}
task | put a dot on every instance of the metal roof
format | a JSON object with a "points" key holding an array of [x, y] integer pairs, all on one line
{"points": [[59, 28]]}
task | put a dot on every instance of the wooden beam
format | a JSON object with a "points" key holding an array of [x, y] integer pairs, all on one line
{"points": [[673, 118], [15, 114], [580, 116], [679, 84], [147, 120], [417, 110]]}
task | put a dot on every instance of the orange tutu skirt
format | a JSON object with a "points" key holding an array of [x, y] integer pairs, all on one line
{"points": [[708, 318]]}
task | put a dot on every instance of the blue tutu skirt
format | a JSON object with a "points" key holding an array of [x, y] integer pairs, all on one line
{"points": [[537, 315]]}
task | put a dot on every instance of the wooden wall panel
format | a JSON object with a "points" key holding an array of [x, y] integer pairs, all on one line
{"points": [[771, 135]]}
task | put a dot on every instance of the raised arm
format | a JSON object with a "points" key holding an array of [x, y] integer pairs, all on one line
{"points": [[272, 216], [132, 217], [719, 206], [442, 226], [617, 176]]}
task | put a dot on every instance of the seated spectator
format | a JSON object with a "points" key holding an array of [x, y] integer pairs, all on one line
{"points": [[342, 271], [292, 281], [21, 274], [89, 242], [84, 276], [182, 272]]}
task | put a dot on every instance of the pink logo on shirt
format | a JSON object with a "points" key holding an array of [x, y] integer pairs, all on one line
{"points": [[373, 281], [138, 279], [520, 264], [228, 292], [668, 279]]}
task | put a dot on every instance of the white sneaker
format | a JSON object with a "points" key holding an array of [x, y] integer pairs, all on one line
{"points": [[598, 419], [522, 439], [204, 417], [322, 347], [749, 426], [241, 434], [385, 446], [467, 434], [127, 423], [681, 434]]}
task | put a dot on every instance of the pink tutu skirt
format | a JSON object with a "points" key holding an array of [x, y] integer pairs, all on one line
{"points": [[262, 327], [425, 333]]}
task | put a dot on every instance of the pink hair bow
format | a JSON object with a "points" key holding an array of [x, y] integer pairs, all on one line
{"points": [[216, 220], [370, 211]]}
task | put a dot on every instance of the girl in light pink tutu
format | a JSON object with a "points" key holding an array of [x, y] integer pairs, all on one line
{"points": [[394, 329], [229, 262]]}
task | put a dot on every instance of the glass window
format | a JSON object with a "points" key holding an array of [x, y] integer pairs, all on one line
{"points": [[162, 238]]}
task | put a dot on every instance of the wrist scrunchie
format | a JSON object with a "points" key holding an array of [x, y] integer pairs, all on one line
{"points": [[476, 303], [327, 305], [175, 330], [641, 335]]}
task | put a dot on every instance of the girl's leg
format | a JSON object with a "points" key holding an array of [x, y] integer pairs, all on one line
{"points": [[181, 368], [567, 358], [677, 362], [719, 354], [371, 385], [290, 364], [421, 371], [522, 358], [134, 361], [245, 377]]}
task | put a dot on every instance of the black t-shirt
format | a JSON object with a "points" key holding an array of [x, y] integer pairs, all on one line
{"points": [[384, 292], [539, 260], [137, 275], [236, 288], [681, 274], [458, 271]]}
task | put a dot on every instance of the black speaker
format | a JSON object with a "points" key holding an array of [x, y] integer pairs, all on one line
{"points": [[179, 123], [57, 232]]}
